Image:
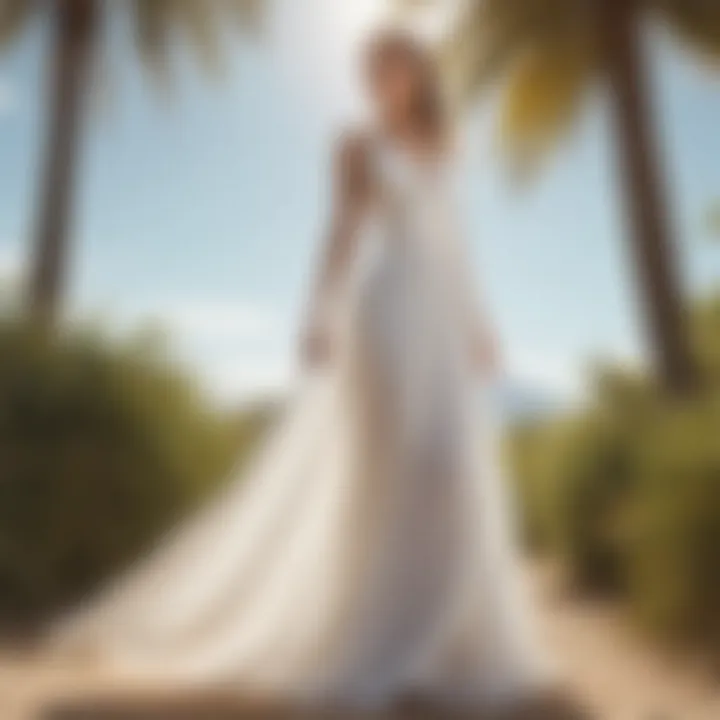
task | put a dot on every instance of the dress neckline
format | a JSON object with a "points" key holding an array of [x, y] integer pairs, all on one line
{"points": [[434, 161]]}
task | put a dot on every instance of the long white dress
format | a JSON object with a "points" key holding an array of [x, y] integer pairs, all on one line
{"points": [[369, 552]]}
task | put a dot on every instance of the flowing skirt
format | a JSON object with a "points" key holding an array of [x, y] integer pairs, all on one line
{"points": [[368, 553]]}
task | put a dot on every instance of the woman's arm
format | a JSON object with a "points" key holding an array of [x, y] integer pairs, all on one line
{"points": [[351, 195]]}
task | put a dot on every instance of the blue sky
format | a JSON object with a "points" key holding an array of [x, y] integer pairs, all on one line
{"points": [[204, 210]]}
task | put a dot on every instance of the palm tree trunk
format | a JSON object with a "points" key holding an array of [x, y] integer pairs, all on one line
{"points": [[74, 27], [653, 247]]}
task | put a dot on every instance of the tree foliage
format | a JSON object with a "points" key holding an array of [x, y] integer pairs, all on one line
{"points": [[157, 24], [627, 493], [548, 55], [103, 446]]}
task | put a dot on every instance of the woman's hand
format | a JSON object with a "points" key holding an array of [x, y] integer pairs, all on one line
{"points": [[315, 347]]}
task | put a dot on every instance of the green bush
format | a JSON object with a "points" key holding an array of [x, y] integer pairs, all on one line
{"points": [[528, 451], [574, 477], [672, 537], [627, 493], [102, 447], [587, 500]]}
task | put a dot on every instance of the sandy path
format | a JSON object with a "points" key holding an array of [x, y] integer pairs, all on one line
{"points": [[600, 661], [615, 673]]}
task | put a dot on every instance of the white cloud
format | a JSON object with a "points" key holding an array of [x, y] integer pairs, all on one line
{"points": [[8, 97], [566, 372], [11, 262], [249, 379], [192, 322], [203, 319], [235, 347], [557, 374]]}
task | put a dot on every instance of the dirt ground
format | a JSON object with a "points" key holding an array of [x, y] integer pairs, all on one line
{"points": [[602, 665]]}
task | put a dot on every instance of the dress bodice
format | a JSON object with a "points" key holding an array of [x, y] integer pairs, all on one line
{"points": [[410, 189], [414, 223]]}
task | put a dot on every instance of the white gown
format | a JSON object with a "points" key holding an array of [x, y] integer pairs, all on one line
{"points": [[369, 552]]}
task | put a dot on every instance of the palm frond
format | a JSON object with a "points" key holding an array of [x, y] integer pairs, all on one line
{"points": [[471, 55], [153, 31], [248, 14], [13, 16], [492, 34], [544, 96], [696, 22], [201, 23]]}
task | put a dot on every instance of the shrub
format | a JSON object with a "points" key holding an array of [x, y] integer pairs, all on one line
{"points": [[102, 447], [627, 493], [527, 454], [673, 530], [573, 478]]}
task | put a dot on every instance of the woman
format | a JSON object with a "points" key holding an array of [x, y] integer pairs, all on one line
{"points": [[369, 557]]}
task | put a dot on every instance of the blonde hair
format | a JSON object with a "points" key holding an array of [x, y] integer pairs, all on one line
{"points": [[429, 110]]}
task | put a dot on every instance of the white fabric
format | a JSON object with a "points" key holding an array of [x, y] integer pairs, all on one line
{"points": [[369, 553]]}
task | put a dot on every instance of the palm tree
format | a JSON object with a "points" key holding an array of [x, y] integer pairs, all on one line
{"points": [[549, 53], [78, 29]]}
